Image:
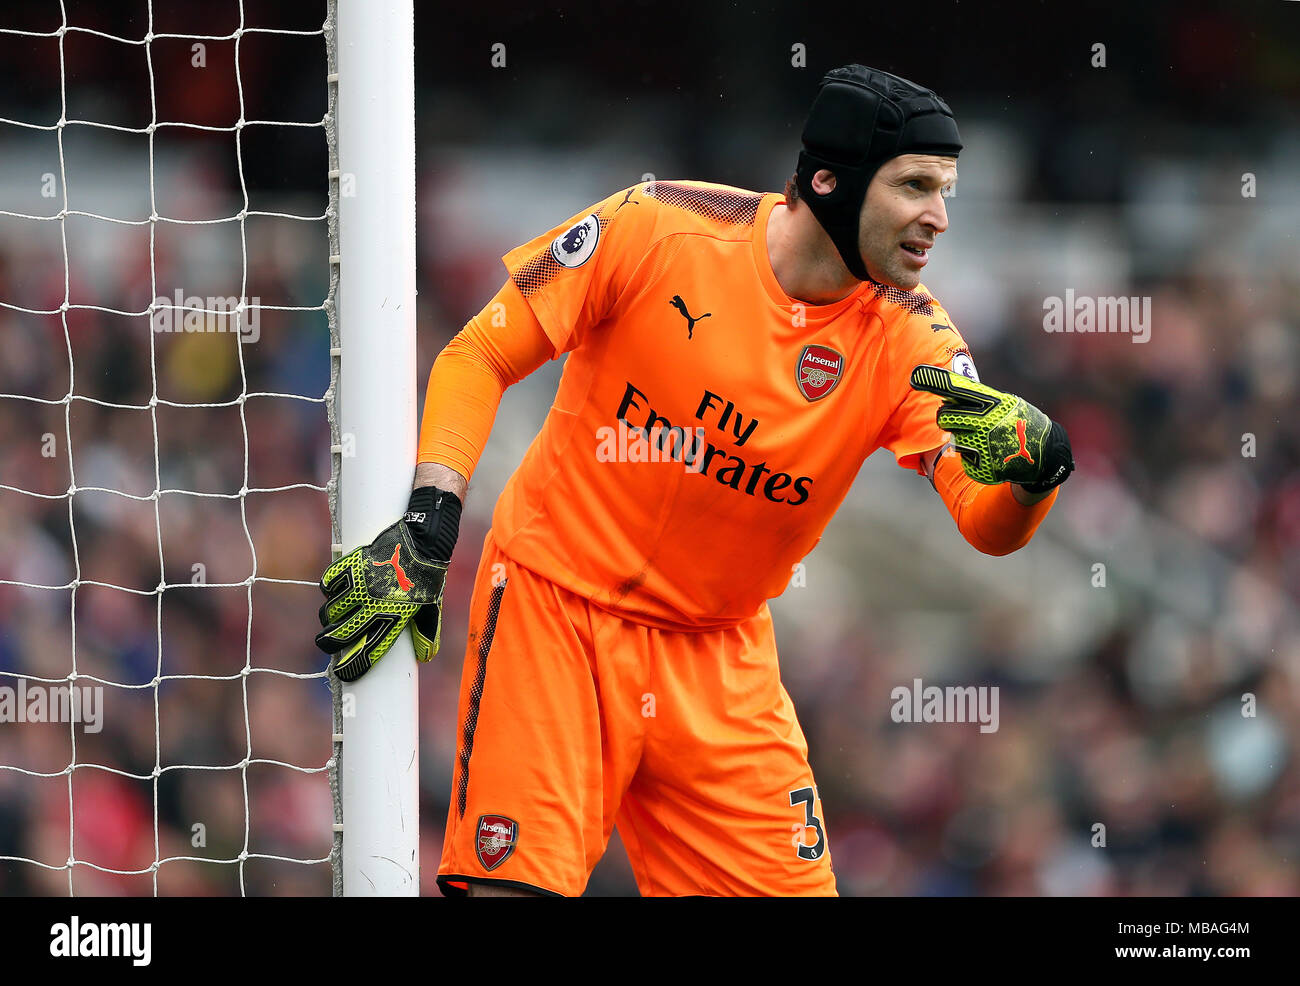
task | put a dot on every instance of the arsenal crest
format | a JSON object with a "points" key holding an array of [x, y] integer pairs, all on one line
{"points": [[496, 839], [818, 371]]}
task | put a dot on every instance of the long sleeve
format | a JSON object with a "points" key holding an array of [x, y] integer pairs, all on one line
{"points": [[500, 346], [989, 517]]}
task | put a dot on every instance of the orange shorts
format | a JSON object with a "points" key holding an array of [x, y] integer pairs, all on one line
{"points": [[572, 720]]}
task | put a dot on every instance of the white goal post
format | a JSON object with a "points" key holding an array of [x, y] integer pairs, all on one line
{"points": [[373, 425], [372, 408]]}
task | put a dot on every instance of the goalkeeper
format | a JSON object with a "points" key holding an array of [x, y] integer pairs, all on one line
{"points": [[733, 357]]}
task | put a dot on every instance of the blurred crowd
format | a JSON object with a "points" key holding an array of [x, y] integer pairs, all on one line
{"points": [[1150, 715]]}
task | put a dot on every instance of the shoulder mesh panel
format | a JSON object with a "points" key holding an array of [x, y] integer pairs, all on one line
{"points": [[911, 302], [720, 204]]}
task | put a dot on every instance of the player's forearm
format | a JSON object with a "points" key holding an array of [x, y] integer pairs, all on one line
{"points": [[1025, 498], [999, 524], [443, 477], [460, 407], [993, 519], [497, 348]]}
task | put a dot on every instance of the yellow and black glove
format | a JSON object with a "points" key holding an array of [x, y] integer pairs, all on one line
{"points": [[1002, 438], [373, 592]]}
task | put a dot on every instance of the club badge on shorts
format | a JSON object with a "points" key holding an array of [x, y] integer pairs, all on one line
{"points": [[818, 371], [496, 840]]}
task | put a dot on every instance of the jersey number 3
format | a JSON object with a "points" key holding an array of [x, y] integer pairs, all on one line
{"points": [[806, 796]]}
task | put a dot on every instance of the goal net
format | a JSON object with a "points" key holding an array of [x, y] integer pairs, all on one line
{"points": [[169, 261]]}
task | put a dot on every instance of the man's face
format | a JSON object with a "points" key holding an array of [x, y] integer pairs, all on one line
{"points": [[902, 215]]}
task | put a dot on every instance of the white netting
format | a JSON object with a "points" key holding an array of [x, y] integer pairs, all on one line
{"points": [[288, 809]]}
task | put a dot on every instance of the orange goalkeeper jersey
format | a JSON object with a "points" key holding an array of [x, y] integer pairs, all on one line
{"points": [[707, 426]]}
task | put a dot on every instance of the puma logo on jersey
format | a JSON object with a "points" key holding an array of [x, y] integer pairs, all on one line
{"points": [[403, 582], [690, 319], [627, 199], [936, 327]]}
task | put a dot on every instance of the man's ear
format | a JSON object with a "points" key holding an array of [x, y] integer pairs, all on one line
{"points": [[828, 181]]}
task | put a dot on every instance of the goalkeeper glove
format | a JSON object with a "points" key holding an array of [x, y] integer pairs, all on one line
{"points": [[372, 593], [1002, 438]]}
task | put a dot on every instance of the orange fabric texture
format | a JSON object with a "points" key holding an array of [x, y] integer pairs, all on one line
{"points": [[500, 346], [707, 426], [701, 764], [989, 517]]}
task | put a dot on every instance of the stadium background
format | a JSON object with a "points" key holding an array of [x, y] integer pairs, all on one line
{"points": [[1119, 705]]}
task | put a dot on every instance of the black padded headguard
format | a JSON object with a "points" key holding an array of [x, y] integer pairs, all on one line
{"points": [[860, 119]]}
